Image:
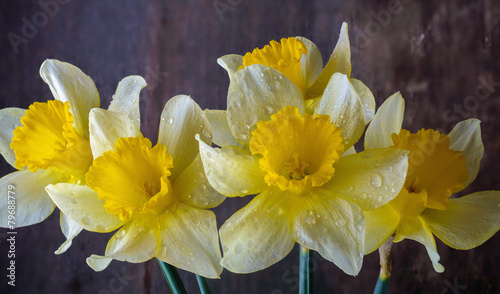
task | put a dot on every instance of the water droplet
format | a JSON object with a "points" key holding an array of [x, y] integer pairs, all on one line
{"points": [[379, 198], [376, 181], [310, 220], [225, 249], [340, 223], [74, 201], [120, 234], [393, 190], [100, 228], [203, 187], [86, 220], [206, 134], [389, 169], [359, 228], [363, 196], [269, 110], [189, 196], [296, 235], [170, 121], [350, 189]]}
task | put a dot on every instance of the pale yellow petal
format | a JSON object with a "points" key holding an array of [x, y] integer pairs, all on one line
{"points": [[27, 190], [126, 98], [181, 120], [311, 64], [468, 221], [333, 227], [106, 127], [230, 63], [193, 188], [68, 83], [232, 170], [370, 178], [387, 120], [339, 62], [10, 118], [189, 241], [367, 99], [82, 205], [380, 223], [255, 93], [466, 137], [221, 133], [258, 235], [70, 229], [342, 103], [349, 151], [137, 241]]}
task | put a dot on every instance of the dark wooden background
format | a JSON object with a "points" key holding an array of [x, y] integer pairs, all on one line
{"points": [[435, 53]]}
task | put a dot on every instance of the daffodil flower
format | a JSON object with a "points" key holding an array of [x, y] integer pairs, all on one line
{"points": [[156, 196], [48, 144], [438, 166], [309, 189]]}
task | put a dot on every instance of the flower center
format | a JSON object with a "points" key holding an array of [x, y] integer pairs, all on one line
{"points": [[133, 178], [298, 152], [283, 56], [47, 139], [432, 166]]}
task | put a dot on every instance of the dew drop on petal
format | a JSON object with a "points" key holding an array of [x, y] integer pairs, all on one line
{"points": [[170, 121], [363, 196], [379, 198], [376, 181], [74, 201], [86, 220]]}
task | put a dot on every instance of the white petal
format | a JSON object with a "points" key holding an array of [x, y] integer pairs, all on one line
{"points": [[70, 229], [466, 137], [106, 127], [367, 99], [342, 103], [10, 118], [68, 83], [370, 178], [231, 63], [388, 120], [82, 205], [221, 133], [31, 203], [126, 98], [255, 93], [181, 120], [333, 227], [193, 187], [190, 242], [232, 170], [257, 236], [311, 64]]}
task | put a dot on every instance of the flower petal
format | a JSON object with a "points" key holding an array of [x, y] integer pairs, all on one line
{"points": [[342, 103], [370, 178], [468, 221], [466, 137], [68, 83], [255, 93], [387, 120], [189, 241], [246, 175], [106, 127], [32, 203], [334, 227], [137, 241], [222, 135], [181, 120], [70, 229], [339, 62], [311, 64], [126, 98], [257, 236], [193, 188], [414, 228], [10, 119], [82, 205], [367, 99], [231, 63], [380, 223]]}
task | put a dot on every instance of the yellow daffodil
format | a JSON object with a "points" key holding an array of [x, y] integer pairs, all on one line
{"points": [[157, 196], [293, 65], [48, 144], [310, 189], [438, 166]]}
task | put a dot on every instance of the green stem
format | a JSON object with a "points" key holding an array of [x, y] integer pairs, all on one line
{"points": [[385, 252], [202, 283], [172, 277], [381, 286], [305, 274]]}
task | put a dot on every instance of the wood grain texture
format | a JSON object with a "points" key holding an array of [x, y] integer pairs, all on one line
{"points": [[437, 54]]}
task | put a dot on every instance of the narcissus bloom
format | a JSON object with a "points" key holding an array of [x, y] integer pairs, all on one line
{"points": [[157, 196], [292, 65], [438, 166], [48, 144], [309, 189]]}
